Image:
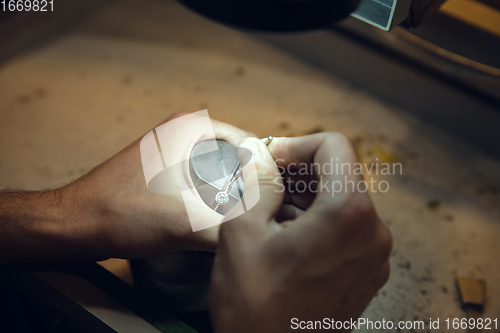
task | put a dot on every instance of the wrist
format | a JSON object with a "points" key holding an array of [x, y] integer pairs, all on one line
{"points": [[82, 227]]}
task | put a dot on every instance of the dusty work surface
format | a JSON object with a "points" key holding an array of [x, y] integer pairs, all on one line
{"points": [[71, 103]]}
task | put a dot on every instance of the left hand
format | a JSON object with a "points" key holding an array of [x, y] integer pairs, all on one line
{"points": [[120, 217]]}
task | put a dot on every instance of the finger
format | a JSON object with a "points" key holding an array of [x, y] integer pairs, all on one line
{"points": [[230, 133], [222, 131], [300, 190], [330, 156], [263, 194], [288, 213], [302, 200], [290, 152]]}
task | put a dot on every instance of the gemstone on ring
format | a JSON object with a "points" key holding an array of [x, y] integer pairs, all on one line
{"points": [[222, 198]]}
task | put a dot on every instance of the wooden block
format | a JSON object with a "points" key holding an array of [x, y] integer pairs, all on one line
{"points": [[472, 292]]}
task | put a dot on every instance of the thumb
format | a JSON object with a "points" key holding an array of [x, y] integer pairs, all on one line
{"points": [[264, 190]]}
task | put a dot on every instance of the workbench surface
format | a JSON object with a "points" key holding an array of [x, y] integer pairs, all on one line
{"points": [[73, 101]]}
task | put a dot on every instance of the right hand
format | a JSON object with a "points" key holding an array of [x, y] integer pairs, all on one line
{"points": [[326, 263]]}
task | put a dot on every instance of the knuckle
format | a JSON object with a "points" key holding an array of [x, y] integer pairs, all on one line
{"points": [[355, 219], [358, 210], [364, 206], [360, 222], [343, 144], [229, 133], [338, 137]]}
